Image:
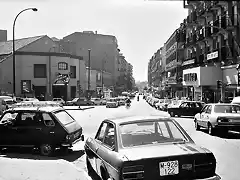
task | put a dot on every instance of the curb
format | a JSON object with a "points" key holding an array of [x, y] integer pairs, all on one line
{"points": [[81, 108]]}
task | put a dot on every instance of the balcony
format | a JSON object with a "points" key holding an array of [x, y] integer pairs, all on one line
{"points": [[223, 22]]}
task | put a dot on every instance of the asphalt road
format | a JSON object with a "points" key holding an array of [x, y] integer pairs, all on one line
{"points": [[225, 149]]}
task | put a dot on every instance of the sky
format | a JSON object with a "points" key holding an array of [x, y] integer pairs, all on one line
{"points": [[140, 26]]}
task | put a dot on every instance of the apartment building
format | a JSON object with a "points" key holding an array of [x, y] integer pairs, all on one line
{"points": [[103, 52], [211, 49]]}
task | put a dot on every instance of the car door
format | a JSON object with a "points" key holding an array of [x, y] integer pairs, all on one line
{"points": [[201, 116], [8, 133], [96, 145], [107, 152], [206, 116], [183, 109]]}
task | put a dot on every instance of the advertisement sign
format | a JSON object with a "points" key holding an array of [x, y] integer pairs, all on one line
{"points": [[26, 86], [212, 55]]}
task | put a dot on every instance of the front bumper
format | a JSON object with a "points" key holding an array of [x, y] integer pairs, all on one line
{"points": [[70, 144], [216, 177]]}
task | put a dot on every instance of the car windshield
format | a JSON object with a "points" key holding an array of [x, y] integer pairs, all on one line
{"points": [[227, 109], [75, 99], [64, 117], [150, 132]]}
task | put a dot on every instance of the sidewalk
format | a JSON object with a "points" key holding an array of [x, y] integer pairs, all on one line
{"points": [[26, 169], [77, 107]]}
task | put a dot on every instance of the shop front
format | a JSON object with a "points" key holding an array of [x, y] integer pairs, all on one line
{"points": [[200, 83], [230, 79]]}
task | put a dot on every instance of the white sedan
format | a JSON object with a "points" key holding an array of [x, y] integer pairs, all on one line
{"points": [[220, 116], [112, 102]]}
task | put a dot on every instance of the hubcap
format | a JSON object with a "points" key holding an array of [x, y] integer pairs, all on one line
{"points": [[46, 149]]}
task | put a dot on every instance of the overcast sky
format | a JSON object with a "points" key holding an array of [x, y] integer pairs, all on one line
{"points": [[140, 26]]}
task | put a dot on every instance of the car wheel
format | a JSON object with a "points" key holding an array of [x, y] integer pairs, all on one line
{"points": [[172, 114], [46, 149], [197, 127], [179, 115], [210, 129]]}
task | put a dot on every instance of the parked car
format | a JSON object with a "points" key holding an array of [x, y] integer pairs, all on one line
{"points": [[59, 100], [31, 99], [9, 103], [38, 126], [147, 148], [236, 100], [103, 101], [187, 108], [96, 101], [218, 118], [3, 105], [163, 104], [80, 102], [121, 101], [112, 102]]}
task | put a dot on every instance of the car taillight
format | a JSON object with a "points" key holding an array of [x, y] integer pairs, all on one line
{"points": [[222, 119], [68, 137], [133, 172]]}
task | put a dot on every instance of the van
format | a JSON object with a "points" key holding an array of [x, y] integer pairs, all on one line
{"points": [[43, 127]]}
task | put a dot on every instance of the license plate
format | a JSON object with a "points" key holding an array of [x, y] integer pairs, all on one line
{"points": [[168, 168]]}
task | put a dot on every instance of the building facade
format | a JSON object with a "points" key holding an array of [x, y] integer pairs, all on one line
{"points": [[211, 49], [38, 67], [104, 52]]}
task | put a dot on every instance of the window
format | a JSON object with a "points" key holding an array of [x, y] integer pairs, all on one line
{"points": [[48, 121], [101, 132], [209, 110], [8, 117], [64, 117], [29, 119], [62, 66], [109, 139], [40, 71], [73, 71]]}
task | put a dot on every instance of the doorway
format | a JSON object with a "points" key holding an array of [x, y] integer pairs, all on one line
{"points": [[73, 91], [60, 91]]}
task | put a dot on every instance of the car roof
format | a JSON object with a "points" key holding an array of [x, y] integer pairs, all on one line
{"points": [[126, 119], [42, 109]]}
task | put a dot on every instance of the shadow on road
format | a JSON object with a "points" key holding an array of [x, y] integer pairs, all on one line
{"points": [[28, 153], [229, 135]]}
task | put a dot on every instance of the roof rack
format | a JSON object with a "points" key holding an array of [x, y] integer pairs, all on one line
{"points": [[36, 104]]}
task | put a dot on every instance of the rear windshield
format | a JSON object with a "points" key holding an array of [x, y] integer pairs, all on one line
{"points": [[64, 117]]}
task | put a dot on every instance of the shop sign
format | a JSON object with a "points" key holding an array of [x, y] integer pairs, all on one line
{"points": [[191, 61], [26, 86], [212, 55], [172, 64], [190, 77]]}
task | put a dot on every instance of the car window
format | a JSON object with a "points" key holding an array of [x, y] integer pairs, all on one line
{"points": [[47, 119], [209, 109], [101, 132], [28, 119], [226, 109], [184, 105], [8, 116], [204, 108], [109, 138], [149, 132], [64, 117]]}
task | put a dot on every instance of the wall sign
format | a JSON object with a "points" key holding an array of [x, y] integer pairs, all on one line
{"points": [[191, 61], [212, 55], [190, 77], [26, 86]]}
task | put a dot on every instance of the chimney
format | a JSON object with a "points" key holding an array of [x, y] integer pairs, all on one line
{"points": [[3, 35], [95, 32]]}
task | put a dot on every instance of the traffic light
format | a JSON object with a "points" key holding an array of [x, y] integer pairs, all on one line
{"points": [[238, 78], [219, 84]]}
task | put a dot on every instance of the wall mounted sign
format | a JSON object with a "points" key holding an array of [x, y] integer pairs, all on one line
{"points": [[188, 62], [62, 79], [190, 77], [26, 86], [212, 55]]}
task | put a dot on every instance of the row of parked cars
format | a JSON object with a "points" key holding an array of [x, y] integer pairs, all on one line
{"points": [[217, 118], [134, 147]]}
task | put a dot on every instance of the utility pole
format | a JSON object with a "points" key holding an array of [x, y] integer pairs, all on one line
{"points": [[89, 69], [103, 61]]}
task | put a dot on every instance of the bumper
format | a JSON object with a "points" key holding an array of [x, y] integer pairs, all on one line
{"points": [[216, 177], [229, 126], [81, 138]]}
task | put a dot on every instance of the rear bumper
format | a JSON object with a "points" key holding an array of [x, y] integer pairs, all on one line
{"points": [[228, 126], [216, 177], [81, 138]]}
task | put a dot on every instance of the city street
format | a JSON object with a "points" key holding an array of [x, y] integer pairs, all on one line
{"points": [[17, 165]]}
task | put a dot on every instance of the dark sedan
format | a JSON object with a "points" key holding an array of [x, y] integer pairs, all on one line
{"points": [[186, 108], [150, 147]]}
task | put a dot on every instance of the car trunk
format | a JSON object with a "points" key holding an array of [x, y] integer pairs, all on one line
{"points": [[190, 162], [74, 130]]}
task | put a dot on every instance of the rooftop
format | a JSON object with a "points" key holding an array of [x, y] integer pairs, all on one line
{"points": [[6, 47]]}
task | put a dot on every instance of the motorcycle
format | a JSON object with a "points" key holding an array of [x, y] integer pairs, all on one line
{"points": [[128, 105], [138, 98]]}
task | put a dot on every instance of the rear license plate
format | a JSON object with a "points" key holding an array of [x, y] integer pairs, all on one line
{"points": [[168, 168]]}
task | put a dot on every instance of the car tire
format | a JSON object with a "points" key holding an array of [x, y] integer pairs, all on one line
{"points": [[172, 114], [197, 127], [46, 149]]}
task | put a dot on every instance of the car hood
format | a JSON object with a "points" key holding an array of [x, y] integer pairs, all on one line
{"points": [[161, 150]]}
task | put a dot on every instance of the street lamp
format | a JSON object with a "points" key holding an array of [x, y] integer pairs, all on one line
{"points": [[13, 50], [89, 69]]}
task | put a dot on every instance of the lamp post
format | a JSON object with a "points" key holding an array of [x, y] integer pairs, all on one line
{"points": [[13, 50], [49, 74], [89, 69]]}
